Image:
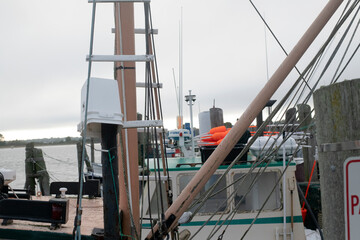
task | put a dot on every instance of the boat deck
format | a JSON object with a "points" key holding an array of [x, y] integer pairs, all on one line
{"points": [[92, 217]]}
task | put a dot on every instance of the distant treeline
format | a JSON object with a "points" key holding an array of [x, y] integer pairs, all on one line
{"points": [[40, 142]]}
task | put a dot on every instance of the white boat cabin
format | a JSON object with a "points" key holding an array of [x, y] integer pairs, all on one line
{"points": [[234, 203]]}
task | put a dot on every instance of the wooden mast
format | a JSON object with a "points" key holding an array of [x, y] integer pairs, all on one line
{"points": [[125, 45], [187, 196]]}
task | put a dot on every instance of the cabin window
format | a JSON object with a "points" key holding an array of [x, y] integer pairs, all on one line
{"points": [[216, 203], [258, 193], [155, 203]]}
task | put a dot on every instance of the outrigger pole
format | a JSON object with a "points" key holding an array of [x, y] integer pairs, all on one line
{"points": [[187, 196]]}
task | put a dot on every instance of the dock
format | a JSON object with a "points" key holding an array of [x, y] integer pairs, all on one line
{"points": [[92, 217]]}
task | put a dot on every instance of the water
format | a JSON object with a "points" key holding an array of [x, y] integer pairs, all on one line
{"points": [[61, 162]]}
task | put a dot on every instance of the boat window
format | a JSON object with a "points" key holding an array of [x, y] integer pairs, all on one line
{"points": [[259, 192], [155, 203], [216, 202]]}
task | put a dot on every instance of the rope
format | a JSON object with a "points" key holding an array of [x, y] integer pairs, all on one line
{"points": [[336, 28], [255, 165], [51, 175], [307, 188], [266, 122], [13, 191], [153, 111], [342, 71], [232, 214], [56, 159], [276, 39], [95, 149], [243, 177], [262, 207], [251, 225], [312, 63], [270, 117], [351, 39]]}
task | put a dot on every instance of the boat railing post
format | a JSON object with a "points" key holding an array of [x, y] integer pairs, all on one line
{"points": [[284, 186]]}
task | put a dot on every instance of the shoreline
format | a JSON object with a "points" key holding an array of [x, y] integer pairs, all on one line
{"points": [[41, 142]]}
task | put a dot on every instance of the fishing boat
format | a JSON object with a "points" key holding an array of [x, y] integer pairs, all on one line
{"points": [[185, 198], [236, 202], [180, 142]]}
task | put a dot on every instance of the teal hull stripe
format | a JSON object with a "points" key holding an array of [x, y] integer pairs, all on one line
{"points": [[173, 162], [247, 221]]}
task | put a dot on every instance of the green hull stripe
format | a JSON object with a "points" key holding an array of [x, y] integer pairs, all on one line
{"points": [[237, 166], [247, 221]]}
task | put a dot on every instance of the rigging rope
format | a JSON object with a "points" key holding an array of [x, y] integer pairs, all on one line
{"points": [[350, 41], [153, 110], [317, 57], [51, 175], [276, 39], [56, 159]]}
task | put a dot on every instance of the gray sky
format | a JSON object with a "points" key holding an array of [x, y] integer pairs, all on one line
{"points": [[43, 45]]}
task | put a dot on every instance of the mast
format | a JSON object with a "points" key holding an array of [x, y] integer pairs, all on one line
{"points": [[125, 75], [180, 117], [216, 158], [190, 99]]}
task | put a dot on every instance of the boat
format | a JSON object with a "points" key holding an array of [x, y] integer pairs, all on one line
{"points": [[180, 142], [231, 214], [256, 199]]}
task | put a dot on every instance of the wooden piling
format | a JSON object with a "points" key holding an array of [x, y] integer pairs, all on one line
{"points": [[35, 168], [110, 180], [305, 119], [337, 109]]}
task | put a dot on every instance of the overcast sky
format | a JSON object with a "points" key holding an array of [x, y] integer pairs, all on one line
{"points": [[43, 46]]}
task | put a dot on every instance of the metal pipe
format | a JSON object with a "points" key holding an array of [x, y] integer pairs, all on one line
{"points": [[190, 99], [284, 187], [77, 222]]}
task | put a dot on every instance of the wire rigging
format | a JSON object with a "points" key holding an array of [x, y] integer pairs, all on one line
{"points": [[313, 63], [273, 34], [155, 138]]}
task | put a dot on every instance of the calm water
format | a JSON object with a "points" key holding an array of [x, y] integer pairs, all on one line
{"points": [[61, 162]]}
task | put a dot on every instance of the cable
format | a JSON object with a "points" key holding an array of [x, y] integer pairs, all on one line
{"points": [[276, 39], [310, 211], [347, 48]]}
